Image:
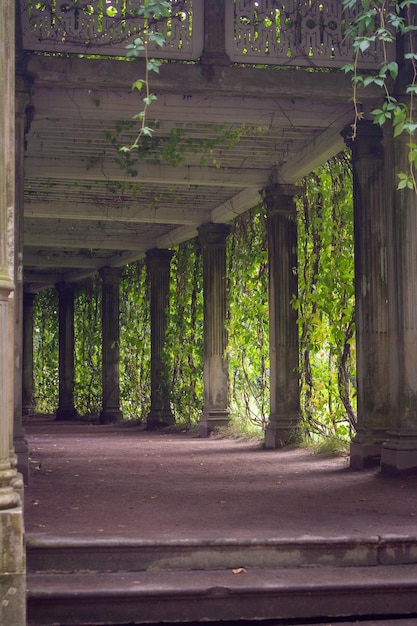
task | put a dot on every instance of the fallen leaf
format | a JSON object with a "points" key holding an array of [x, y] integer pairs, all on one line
{"points": [[239, 570]]}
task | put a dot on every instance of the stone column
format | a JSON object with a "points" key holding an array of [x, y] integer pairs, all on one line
{"points": [[28, 405], [283, 330], [216, 379], [19, 440], [399, 452], [66, 409], [158, 267], [110, 411], [12, 571], [371, 292]]}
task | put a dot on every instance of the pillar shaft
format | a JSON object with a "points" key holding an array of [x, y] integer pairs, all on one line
{"points": [[371, 292], [66, 409], [12, 573], [27, 373], [19, 440], [110, 411], [399, 452], [282, 256], [158, 267], [216, 378]]}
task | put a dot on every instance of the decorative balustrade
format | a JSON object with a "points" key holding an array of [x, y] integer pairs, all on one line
{"points": [[105, 27], [293, 32]]}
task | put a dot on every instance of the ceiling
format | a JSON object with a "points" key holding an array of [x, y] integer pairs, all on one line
{"points": [[236, 130]]}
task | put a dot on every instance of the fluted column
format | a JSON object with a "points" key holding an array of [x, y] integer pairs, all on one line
{"points": [[110, 410], [158, 267], [66, 409], [283, 333], [371, 293], [19, 440], [216, 377], [399, 452], [12, 570]]}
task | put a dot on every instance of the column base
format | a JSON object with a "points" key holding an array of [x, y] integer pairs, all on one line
{"points": [[365, 449], [212, 420], [279, 434], [22, 453], [159, 419], [399, 454], [12, 573], [110, 416], [28, 410], [66, 413]]}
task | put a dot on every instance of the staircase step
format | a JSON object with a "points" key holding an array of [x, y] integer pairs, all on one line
{"points": [[89, 553], [212, 595]]}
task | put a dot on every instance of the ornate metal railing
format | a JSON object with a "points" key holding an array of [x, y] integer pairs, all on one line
{"points": [[292, 32], [104, 27], [295, 32]]}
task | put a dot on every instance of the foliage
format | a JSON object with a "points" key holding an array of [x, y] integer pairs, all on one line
{"points": [[325, 302], [150, 11], [379, 24], [45, 350], [185, 339], [248, 327], [135, 342], [87, 346]]}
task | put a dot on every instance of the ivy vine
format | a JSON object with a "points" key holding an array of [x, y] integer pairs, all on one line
{"points": [[380, 25]]}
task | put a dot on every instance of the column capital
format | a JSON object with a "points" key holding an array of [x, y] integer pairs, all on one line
{"points": [[110, 274], [280, 198], [213, 234], [158, 257], [63, 286], [29, 298], [367, 142]]}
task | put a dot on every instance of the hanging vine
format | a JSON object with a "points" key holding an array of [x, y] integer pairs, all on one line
{"points": [[87, 343]]}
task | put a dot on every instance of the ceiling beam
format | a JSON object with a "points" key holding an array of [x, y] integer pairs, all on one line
{"points": [[77, 239], [82, 169], [127, 211], [238, 81]]}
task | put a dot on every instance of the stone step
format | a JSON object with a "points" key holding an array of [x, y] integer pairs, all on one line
{"points": [[216, 595], [49, 553]]}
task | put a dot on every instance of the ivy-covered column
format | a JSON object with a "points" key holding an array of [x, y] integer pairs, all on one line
{"points": [[283, 329], [12, 569], [158, 267], [27, 367], [110, 326], [371, 293], [216, 376], [66, 409], [399, 452]]}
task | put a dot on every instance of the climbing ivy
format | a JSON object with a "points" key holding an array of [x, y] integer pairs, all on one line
{"points": [[248, 349], [185, 333], [45, 350], [381, 26], [325, 301], [135, 342], [87, 346]]}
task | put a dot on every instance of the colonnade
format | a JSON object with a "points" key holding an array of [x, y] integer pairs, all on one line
{"points": [[385, 227]]}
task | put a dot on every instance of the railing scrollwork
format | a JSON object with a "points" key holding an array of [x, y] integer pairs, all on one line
{"points": [[289, 32]]}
